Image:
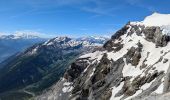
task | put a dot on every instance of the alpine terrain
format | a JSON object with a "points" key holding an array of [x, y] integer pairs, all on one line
{"points": [[133, 65], [28, 73]]}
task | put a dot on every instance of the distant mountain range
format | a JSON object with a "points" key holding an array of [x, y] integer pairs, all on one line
{"points": [[15, 43], [41, 65], [93, 40], [11, 44], [19, 36]]}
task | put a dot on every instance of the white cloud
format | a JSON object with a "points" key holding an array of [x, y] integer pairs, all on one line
{"points": [[28, 32], [35, 33], [3, 33]]}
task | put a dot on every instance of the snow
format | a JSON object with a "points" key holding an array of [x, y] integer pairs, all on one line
{"points": [[73, 43], [50, 43], [127, 45], [159, 90], [97, 55], [116, 90], [147, 85], [58, 39], [165, 29], [35, 50], [45, 43], [66, 83], [86, 69], [92, 72], [70, 42], [157, 19], [154, 55], [130, 70], [130, 97], [67, 87], [150, 53]]}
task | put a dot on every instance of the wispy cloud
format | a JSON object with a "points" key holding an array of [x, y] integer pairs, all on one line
{"points": [[45, 6], [142, 4], [98, 7], [103, 7], [98, 11], [4, 33]]}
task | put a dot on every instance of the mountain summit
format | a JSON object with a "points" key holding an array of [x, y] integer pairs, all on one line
{"points": [[157, 19], [133, 65]]}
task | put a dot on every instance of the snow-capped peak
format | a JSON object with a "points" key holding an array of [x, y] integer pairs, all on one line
{"points": [[27, 35], [157, 19], [84, 41], [20, 35]]}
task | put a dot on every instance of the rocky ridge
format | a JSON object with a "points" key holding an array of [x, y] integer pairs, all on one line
{"points": [[133, 65]]}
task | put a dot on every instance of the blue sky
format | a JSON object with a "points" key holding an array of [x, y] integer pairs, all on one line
{"points": [[75, 17]]}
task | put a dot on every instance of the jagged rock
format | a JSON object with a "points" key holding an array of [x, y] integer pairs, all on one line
{"points": [[120, 32], [73, 72], [143, 65], [165, 60], [167, 81], [106, 95], [133, 55]]}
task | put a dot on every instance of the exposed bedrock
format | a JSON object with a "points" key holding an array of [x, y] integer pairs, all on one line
{"points": [[152, 34]]}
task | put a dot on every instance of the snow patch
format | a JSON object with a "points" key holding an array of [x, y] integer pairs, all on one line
{"points": [[67, 87], [130, 70], [95, 55], [115, 90], [92, 72]]}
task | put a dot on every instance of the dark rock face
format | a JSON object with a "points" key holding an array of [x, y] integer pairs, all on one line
{"points": [[155, 35], [97, 86], [121, 32], [133, 55], [110, 44], [75, 70]]}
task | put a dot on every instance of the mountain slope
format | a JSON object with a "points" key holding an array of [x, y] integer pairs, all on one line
{"points": [[38, 67], [134, 65]]}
